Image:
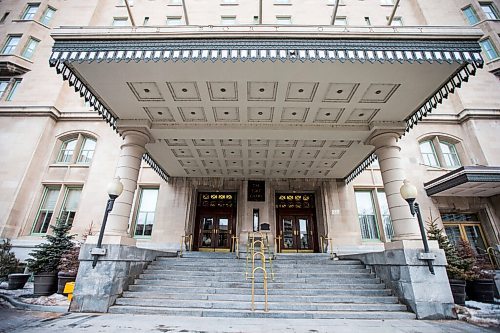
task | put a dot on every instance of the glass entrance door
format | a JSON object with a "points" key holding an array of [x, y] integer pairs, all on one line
{"points": [[215, 232], [296, 233]]}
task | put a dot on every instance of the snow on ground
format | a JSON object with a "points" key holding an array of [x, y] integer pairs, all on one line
{"points": [[25, 295], [484, 314]]}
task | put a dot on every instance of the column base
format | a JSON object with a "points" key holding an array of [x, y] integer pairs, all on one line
{"points": [[110, 239]]}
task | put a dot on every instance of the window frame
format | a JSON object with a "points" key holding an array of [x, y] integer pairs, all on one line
{"points": [[473, 12], [487, 40], [436, 140], [80, 139], [120, 19], [493, 10], [170, 19], [463, 234], [454, 152], [27, 44], [46, 189], [434, 153], [62, 209], [10, 88], [280, 19], [6, 43], [138, 211], [26, 10], [380, 221], [13, 89], [338, 19], [44, 15]]}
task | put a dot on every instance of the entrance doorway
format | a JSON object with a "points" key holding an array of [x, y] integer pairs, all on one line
{"points": [[296, 222], [215, 222]]}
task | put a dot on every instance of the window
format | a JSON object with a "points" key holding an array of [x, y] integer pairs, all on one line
{"points": [[120, 21], [489, 49], [87, 151], [13, 89], [30, 11], [470, 15], [30, 47], [3, 86], [467, 227], [4, 17], [373, 214], [396, 22], [70, 205], [428, 153], [46, 210], [146, 212], [174, 20], [387, 2], [83, 145], [339, 20], [228, 20], [283, 19], [67, 151], [366, 215], [47, 15], [450, 155], [489, 10], [10, 44], [439, 152]]}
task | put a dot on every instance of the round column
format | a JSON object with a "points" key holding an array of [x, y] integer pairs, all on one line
{"points": [[127, 169], [389, 158]]}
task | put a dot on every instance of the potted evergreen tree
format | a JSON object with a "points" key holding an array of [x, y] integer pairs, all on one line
{"points": [[47, 256], [458, 268], [480, 285], [9, 266], [68, 267]]}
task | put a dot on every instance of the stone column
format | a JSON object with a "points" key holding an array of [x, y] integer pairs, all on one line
{"points": [[127, 169], [389, 158]]}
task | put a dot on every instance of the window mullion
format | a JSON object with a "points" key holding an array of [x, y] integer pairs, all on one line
{"points": [[438, 152], [78, 148]]}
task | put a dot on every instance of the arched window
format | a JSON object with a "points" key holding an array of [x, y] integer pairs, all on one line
{"points": [[439, 152], [78, 149]]}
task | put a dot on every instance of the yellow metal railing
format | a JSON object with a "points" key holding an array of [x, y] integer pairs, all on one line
{"points": [[494, 255], [325, 244], [186, 243]]}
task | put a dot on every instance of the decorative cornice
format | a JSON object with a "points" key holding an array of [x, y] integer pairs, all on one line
{"points": [[461, 176]]}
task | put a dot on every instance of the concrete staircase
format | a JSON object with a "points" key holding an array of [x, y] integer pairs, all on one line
{"points": [[305, 286]]}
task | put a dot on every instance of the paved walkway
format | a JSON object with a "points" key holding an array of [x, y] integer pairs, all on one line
{"points": [[40, 322]]}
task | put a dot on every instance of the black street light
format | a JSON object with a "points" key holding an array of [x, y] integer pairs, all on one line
{"points": [[409, 193], [115, 188]]}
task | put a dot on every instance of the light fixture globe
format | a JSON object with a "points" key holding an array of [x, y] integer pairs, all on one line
{"points": [[408, 191], [115, 188]]}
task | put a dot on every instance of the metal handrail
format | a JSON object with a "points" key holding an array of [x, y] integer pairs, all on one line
{"points": [[189, 244], [235, 246], [325, 240], [264, 271], [494, 256]]}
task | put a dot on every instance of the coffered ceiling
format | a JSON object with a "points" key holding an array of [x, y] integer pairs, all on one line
{"points": [[262, 119]]}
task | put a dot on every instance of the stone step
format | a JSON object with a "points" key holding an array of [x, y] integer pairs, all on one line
{"points": [[348, 298], [237, 305], [215, 269], [289, 278], [261, 314], [275, 285], [367, 289]]}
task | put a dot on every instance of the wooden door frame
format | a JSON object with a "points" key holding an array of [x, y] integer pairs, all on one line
{"points": [[200, 211], [299, 213]]}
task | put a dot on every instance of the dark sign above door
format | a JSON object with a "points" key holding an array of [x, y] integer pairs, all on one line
{"points": [[256, 190]]}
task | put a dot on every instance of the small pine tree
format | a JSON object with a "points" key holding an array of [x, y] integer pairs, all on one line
{"points": [[47, 255], [457, 268], [8, 261]]}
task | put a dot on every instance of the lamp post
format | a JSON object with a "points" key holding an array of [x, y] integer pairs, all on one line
{"points": [[115, 188], [409, 193]]}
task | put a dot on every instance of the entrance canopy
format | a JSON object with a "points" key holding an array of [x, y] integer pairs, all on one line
{"points": [[466, 181], [266, 101]]}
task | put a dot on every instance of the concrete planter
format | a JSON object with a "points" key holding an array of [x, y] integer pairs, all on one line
{"points": [[45, 283], [481, 290], [458, 291], [17, 280]]}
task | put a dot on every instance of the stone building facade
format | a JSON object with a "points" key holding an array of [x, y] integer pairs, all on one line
{"points": [[234, 144]]}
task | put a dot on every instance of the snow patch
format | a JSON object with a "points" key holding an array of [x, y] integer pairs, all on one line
{"points": [[484, 314]]}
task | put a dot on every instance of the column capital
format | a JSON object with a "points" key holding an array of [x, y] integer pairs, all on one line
{"points": [[137, 136], [381, 139]]}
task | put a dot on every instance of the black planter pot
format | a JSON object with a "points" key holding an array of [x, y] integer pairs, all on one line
{"points": [[481, 290], [45, 283], [62, 279], [17, 280], [458, 291]]}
